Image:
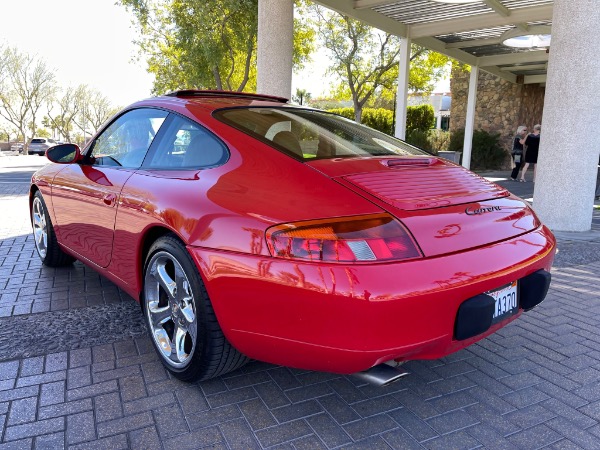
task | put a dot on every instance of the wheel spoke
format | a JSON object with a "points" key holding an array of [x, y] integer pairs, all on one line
{"points": [[159, 315], [187, 303], [179, 341], [183, 286], [165, 281], [164, 343]]}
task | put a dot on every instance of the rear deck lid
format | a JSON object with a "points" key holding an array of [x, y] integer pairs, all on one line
{"points": [[412, 183]]}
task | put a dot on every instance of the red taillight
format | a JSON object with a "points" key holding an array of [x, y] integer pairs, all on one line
{"points": [[346, 239]]}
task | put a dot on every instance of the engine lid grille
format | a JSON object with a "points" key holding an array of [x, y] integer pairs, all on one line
{"points": [[421, 187]]}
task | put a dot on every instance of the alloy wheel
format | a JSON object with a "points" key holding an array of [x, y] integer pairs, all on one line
{"points": [[170, 309], [40, 227]]}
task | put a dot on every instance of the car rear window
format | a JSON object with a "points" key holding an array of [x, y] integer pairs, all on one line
{"points": [[309, 134], [38, 141]]}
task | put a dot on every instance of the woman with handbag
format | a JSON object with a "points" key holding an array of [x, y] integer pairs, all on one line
{"points": [[532, 146], [517, 151]]}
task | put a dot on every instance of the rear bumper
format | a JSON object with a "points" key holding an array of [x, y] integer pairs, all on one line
{"points": [[347, 318]]}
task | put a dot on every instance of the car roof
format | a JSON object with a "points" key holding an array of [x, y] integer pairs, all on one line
{"points": [[212, 99]]}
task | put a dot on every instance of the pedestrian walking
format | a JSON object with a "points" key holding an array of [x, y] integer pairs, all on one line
{"points": [[532, 146], [517, 151]]}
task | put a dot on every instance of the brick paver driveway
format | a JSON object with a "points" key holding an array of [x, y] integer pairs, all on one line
{"points": [[77, 370]]}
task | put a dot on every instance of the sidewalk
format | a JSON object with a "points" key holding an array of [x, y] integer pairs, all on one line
{"points": [[77, 371], [573, 248]]}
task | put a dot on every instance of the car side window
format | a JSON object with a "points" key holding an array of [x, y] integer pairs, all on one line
{"points": [[126, 141], [186, 145]]}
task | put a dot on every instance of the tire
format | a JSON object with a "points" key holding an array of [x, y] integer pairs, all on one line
{"points": [[44, 237], [183, 327]]}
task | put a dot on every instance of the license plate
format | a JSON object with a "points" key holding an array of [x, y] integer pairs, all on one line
{"points": [[507, 302]]}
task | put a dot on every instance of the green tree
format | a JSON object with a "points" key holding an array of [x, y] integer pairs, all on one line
{"points": [[8, 132], [200, 44], [64, 109], [43, 133], [302, 96], [365, 61], [26, 83], [362, 56], [81, 108]]}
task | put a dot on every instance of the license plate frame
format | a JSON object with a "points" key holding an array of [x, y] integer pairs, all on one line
{"points": [[507, 301]]}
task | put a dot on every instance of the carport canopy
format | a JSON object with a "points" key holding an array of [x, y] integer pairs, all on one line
{"points": [[473, 33]]}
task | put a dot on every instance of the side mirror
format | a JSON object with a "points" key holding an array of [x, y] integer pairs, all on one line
{"points": [[64, 154]]}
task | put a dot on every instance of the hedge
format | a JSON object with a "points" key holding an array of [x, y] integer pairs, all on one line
{"points": [[421, 117], [486, 151]]}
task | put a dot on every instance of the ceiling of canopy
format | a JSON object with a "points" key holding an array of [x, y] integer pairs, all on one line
{"points": [[471, 32]]}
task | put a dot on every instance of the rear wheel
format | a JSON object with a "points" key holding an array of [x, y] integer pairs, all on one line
{"points": [[182, 323], [43, 234]]}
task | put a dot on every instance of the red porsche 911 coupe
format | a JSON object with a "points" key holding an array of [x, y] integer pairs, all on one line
{"points": [[251, 228]]}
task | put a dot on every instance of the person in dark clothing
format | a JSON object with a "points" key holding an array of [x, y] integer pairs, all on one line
{"points": [[517, 151], [532, 146]]}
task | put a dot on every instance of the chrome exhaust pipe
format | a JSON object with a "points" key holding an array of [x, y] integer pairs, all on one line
{"points": [[381, 375]]}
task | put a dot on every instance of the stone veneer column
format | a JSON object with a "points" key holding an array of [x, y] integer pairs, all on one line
{"points": [[275, 47], [569, 147]]}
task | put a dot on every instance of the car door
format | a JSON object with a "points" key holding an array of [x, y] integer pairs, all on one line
{"points": [[85, 196]]}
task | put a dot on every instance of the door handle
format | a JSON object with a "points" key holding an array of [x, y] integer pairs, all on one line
{"points": [[109, 199]]}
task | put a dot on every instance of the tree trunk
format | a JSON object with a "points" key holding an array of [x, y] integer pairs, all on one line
{"points": [[217, 75]]}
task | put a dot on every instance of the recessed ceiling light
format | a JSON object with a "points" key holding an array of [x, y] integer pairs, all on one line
{"points": [[534, 37], [529, 41]]}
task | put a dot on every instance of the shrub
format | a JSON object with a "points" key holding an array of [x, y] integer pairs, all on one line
{"points": [[439, 140], [486, 152], [377, 118], [380, 119], [418, 133], [348, 113], [419, 139], [421, 117]]}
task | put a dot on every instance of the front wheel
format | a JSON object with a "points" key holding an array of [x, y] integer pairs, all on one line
{"points": [[43, 233], [180, 317]]}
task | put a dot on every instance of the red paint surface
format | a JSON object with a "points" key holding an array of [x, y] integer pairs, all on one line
{"points": [[334, 317]]}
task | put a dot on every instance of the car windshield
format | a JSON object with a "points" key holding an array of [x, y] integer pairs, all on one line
{"points": [[38, 141], [309, 134]]}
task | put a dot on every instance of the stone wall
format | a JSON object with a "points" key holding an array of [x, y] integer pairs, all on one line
{"points": [[501, 105], [532, 104]]}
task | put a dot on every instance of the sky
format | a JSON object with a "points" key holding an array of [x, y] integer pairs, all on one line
{"points": [[91, 42], [85, 41]]}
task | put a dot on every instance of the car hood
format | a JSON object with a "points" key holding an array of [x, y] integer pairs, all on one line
{"points": [[446, 207]]}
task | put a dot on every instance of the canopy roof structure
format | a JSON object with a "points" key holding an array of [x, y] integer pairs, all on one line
{"points": [[470, 32]]}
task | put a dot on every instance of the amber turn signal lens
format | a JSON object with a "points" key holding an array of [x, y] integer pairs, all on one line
{"points": [[376, 237]]}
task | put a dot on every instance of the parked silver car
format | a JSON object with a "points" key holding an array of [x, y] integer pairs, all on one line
{"points": [[38, 146], [17, 147]]}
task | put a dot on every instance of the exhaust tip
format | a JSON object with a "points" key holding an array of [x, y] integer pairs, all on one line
{"points": [[381, 375]]}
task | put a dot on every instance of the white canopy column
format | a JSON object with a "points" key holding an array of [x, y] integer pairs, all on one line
{"points": [[470, 120], [402, 92], [275, 47], [569, 146]]}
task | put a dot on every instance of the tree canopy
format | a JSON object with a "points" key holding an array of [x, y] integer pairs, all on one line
{"points": [[26, 83], [200, 44], [365, 60], [30, 96]]}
